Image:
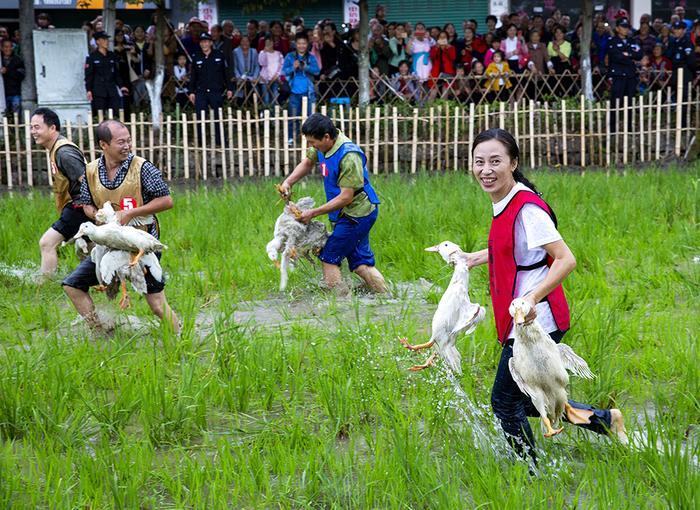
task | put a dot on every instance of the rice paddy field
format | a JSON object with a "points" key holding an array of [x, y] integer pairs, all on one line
{"points": [[303, 400]]}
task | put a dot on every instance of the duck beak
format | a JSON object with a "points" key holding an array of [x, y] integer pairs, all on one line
{"points": [[432, 248], [519, 317]]}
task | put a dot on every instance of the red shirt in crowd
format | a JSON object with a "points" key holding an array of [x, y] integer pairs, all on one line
{"points": [[443, 60]]}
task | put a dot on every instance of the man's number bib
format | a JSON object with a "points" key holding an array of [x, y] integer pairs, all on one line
{"points": [[127, 203]]}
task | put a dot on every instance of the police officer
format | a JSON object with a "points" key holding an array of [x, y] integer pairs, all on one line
{"points": [[210, 77], [682, 54], [102, 79], [622, 53]]}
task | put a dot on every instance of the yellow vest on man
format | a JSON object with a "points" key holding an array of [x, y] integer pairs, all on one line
{"points": [[61, 184], [125, 196]]}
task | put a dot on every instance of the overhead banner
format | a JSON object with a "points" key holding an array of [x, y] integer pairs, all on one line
{"points": [[208, 12], [351, 13]]}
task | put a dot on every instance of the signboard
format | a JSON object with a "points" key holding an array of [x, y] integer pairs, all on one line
{"points": [[351, 13], [81, 4], [208, 12], [55, 51], [498, 7]]}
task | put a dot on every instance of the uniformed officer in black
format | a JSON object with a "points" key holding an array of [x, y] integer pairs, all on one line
{"points": [[102, 79], [682, 54], [622, 53], [210, 77]]}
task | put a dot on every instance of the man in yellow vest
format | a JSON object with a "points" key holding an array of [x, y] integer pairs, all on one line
{"points": [[135, 187], [67, 170]]}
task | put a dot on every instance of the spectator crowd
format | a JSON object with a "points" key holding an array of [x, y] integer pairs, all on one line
{"points": [[284, 61]]}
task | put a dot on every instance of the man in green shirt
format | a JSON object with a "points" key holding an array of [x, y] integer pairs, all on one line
{"points": [[352, 204]]}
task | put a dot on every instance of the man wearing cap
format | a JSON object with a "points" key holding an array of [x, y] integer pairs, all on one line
{"points": [[191, 40], [211, 76], [682, 54], [622, 52], [102, 79]]}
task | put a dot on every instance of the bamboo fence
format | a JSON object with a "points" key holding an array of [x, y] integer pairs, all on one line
{"points": [[239, 145]]}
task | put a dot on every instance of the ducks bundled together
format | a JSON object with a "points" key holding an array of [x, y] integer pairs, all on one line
{"points": [[122, 253], [538, 366]]}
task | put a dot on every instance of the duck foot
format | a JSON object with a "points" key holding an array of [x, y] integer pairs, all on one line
{"points": [[548, 425], [577, 416], [418, 347], [135, 258], [100, 288], [125, 301], [428, 363]]}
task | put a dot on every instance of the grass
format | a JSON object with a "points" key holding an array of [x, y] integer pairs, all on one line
{"points": [[321, 413]]}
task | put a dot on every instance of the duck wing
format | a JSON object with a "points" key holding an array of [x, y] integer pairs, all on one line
{"points": [[518, 378], [469, 316], [573, 362], [111, 263], [153, 264]]}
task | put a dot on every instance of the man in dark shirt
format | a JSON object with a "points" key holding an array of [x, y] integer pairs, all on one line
{"points": [[102, 78], [67, 169], [622, 53], [12, 75], [682, 54], [211, 76]]}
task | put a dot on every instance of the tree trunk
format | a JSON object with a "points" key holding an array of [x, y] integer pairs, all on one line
{"points": [[363, 61], [155, 84], [109, 18], [26, 25], [586, 75]]}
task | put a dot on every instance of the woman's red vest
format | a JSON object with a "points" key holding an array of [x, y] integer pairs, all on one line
{"points": [[503, 268]]}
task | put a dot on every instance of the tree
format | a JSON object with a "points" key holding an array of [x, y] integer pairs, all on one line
{"points": [[26, 26], [363, 61], [109, 18], [586, 75]]}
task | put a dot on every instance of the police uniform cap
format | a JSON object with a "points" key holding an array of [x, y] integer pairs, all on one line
{"points": [[678, 24], [206, 36], [623, 22], [101, 35]]}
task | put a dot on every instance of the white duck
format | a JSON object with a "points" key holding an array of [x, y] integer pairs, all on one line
{"points": [[121, 237], [539, 366], [455, 312], [116, 263], [294, 239]]}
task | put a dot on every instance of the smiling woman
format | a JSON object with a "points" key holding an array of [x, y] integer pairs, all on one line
{"points": [[528, 259]]}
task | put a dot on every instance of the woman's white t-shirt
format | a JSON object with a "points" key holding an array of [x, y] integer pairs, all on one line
{"points": [[511, 46], [533, 229]]}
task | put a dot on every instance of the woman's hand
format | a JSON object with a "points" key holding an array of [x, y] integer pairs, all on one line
{"points": [[474, 259], [530, 299]]}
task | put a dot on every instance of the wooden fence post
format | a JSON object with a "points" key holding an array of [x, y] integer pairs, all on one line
{"points": [[582, 127], [414, 141], [395, 137], [375, 162], [472, 115], [625, 128], [8, 159], [239, 130], [28, 145], [679, 111], [455, 142], [266, 142], [203, 143], [186, 147], [565, 159]]}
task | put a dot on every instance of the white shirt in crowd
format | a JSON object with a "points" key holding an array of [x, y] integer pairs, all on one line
{"points": [[533, 229]]}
